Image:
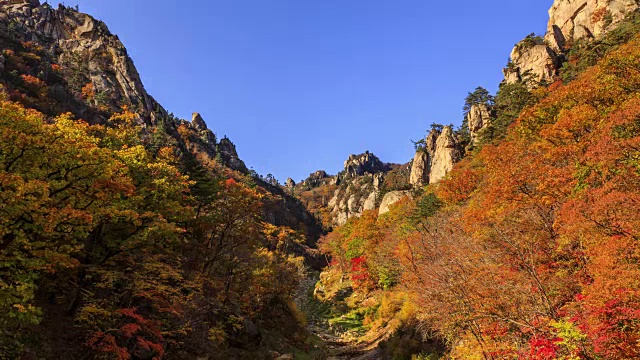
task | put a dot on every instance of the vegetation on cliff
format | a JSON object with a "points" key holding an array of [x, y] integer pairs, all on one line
{"points": [[529, 248]]}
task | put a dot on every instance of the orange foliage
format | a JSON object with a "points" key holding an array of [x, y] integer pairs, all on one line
{"points": [[88, 91], [536, 253]]}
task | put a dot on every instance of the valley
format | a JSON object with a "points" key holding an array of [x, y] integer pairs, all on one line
{"points": [[127, 232]]}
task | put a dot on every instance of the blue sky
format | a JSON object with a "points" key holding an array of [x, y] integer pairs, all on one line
{"points": [[298, 85]]}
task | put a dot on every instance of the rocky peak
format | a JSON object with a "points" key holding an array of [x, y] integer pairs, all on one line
{"points": [[445, 156], [367, 163], [78, 41], [432, 162], [570, 20], [198, 122], [532, 61], [229, 155], [315, 179], [478, 118], [289, 184], [538, 59], [420, 169]]}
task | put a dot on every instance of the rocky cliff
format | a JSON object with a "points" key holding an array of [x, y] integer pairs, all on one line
{"points": [[367, 163], [570, 20], [538, 59], [478, 119], [532, 60], [59, 60], [437, 157], [85, 50], [89, 73], [359, 187]]}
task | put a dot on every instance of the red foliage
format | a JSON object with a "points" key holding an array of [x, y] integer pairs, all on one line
{"points": [[105, 343], [359, 272], [543, 349]]}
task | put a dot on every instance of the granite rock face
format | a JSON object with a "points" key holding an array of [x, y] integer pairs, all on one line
{"points": [[230, 156], [89, 54], [358, 186], [478, 119], [537, 63], [446, 154], [78, 40], [570, 20], [420, 169], [367, 163], [391, 198], [440, 153]]}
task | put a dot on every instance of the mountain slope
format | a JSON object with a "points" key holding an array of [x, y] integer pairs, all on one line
{"points": [[528, 247], [126, 232]]}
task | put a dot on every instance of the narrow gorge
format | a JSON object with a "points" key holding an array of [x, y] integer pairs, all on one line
{"points": [[127, 232]]}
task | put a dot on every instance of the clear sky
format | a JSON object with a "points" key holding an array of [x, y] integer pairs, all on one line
{"points": [[298, 85]]}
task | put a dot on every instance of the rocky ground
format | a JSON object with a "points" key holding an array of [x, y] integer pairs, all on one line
{"points": [[335, 345]]}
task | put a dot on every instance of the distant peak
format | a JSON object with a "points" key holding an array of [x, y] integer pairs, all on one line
{"points": [[358, 165], [198, 122]]}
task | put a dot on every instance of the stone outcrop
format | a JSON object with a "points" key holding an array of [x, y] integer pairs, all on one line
{"points": [[81, 42], [290, 184], [198, 122], [316, 179], [537, 63], [478, 119], [430, 142], [76, 50], [352, 200], [378, 180], [230, 156], [370, 201], [355, 190], [570, 20], [391, 198], [88, 53], [441, 151], [205, 138], [420, 169], [367, 163], [446, 154]]}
